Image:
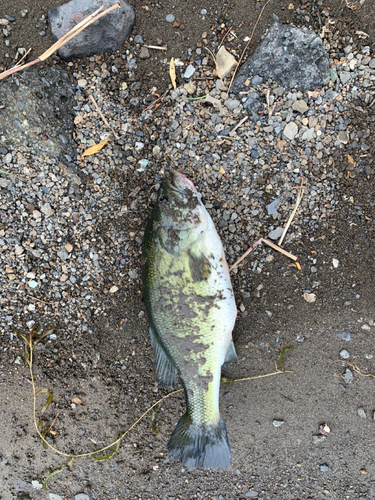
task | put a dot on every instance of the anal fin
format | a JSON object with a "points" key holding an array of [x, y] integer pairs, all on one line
{"points": [[231, 354], [166, 372]]}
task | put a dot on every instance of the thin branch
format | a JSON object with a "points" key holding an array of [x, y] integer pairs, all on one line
{"points": [[155, 47], [102, 116], [246, 254]]}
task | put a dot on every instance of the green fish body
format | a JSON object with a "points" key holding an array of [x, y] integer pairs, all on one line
{"points": [[192, 311]]}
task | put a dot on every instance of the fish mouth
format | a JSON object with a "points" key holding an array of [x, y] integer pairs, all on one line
{"points": [[180, 182]]}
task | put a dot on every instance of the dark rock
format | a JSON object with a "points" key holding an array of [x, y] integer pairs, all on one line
{"points": [[293, 57], [37, 104], [109, 33]]}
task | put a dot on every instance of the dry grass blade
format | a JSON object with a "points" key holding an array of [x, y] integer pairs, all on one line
{"points": [[299, 198], [239, 124], [103, 117], [155, 47], [246, 46], [172, 72], [63, 40]]}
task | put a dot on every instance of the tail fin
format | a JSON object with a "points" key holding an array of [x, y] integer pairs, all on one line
{"points": [[200, 446]]}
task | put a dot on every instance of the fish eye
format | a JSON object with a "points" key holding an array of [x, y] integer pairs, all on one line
{"points": [[163, 199]]}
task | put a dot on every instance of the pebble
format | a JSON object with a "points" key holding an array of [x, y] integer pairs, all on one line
{"points": [[251, 494], [318, 439], [276, 233], [189, 72], [53, 496], [82, 83], [365, 327], [291, 130], [348, 376], [361, 412], [170, 18], [344, 336], [300, 106], [344, 354], [277, 423], [138, 39], [204, 12], [324, 467], [144, 53]]}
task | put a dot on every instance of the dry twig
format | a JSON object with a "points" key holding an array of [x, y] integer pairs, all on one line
{"points": [[279, 249], [299, 198], [63, 40], [357, 370], [102, 116], [155, 47], [246, 254]]}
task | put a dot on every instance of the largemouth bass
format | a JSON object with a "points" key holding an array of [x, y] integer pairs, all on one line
{"points": [[191, 311]]}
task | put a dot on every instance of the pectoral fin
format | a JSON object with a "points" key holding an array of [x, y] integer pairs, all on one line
{"points": [[200, 267], [165, 370]]}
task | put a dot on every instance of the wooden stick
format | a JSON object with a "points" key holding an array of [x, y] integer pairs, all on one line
{"points": [[103, 117], [299, 198], [159, 99], [279, 249], [246, 254]]}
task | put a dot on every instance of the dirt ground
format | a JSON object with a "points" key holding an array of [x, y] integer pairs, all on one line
{"points": [[113, 375]]}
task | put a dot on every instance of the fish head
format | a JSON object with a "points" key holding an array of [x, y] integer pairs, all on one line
{"points": [[180, 209]]}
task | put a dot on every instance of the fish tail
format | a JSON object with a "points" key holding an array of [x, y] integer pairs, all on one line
{"points": [[200, 446]]}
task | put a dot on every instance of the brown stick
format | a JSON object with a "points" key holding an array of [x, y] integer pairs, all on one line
{"points": [[246, 254], [239, 124], [103, 117], [279, 249], [155, 47], [299, 198]]}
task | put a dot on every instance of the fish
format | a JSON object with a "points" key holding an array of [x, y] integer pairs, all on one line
{"points": [[191, 310]]}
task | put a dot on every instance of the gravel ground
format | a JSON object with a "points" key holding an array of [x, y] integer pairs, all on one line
{"points": [[70, 251]]}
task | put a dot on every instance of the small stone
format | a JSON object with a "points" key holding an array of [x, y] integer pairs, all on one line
{"points": [[276, 233], [335, 263], [344, 336], [133, 274], [343, 137], [113, 289], [361, 412], [82, 83], [225, 61], [47, 210], [309, 297], [232, 103], [300, 106], [345, 76], [33, 284], [348, 376], [372, 64], [8, 158], [189, 71], [308, 135], [138, 39], [81, 496], [170, 18], [251, 494], [190, 88], [291, 130], [324, 468], [204, 12], [344, 354], [53, 496], [144, 53], [324, 429], [318, 439], [365, 327], [314, 269], [24, 12], [18, 249], [277, 423], [68, 247]]}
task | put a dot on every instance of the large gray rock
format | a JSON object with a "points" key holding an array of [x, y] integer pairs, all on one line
{"points": [[293, 57], [37, 112], [109, 33]]}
